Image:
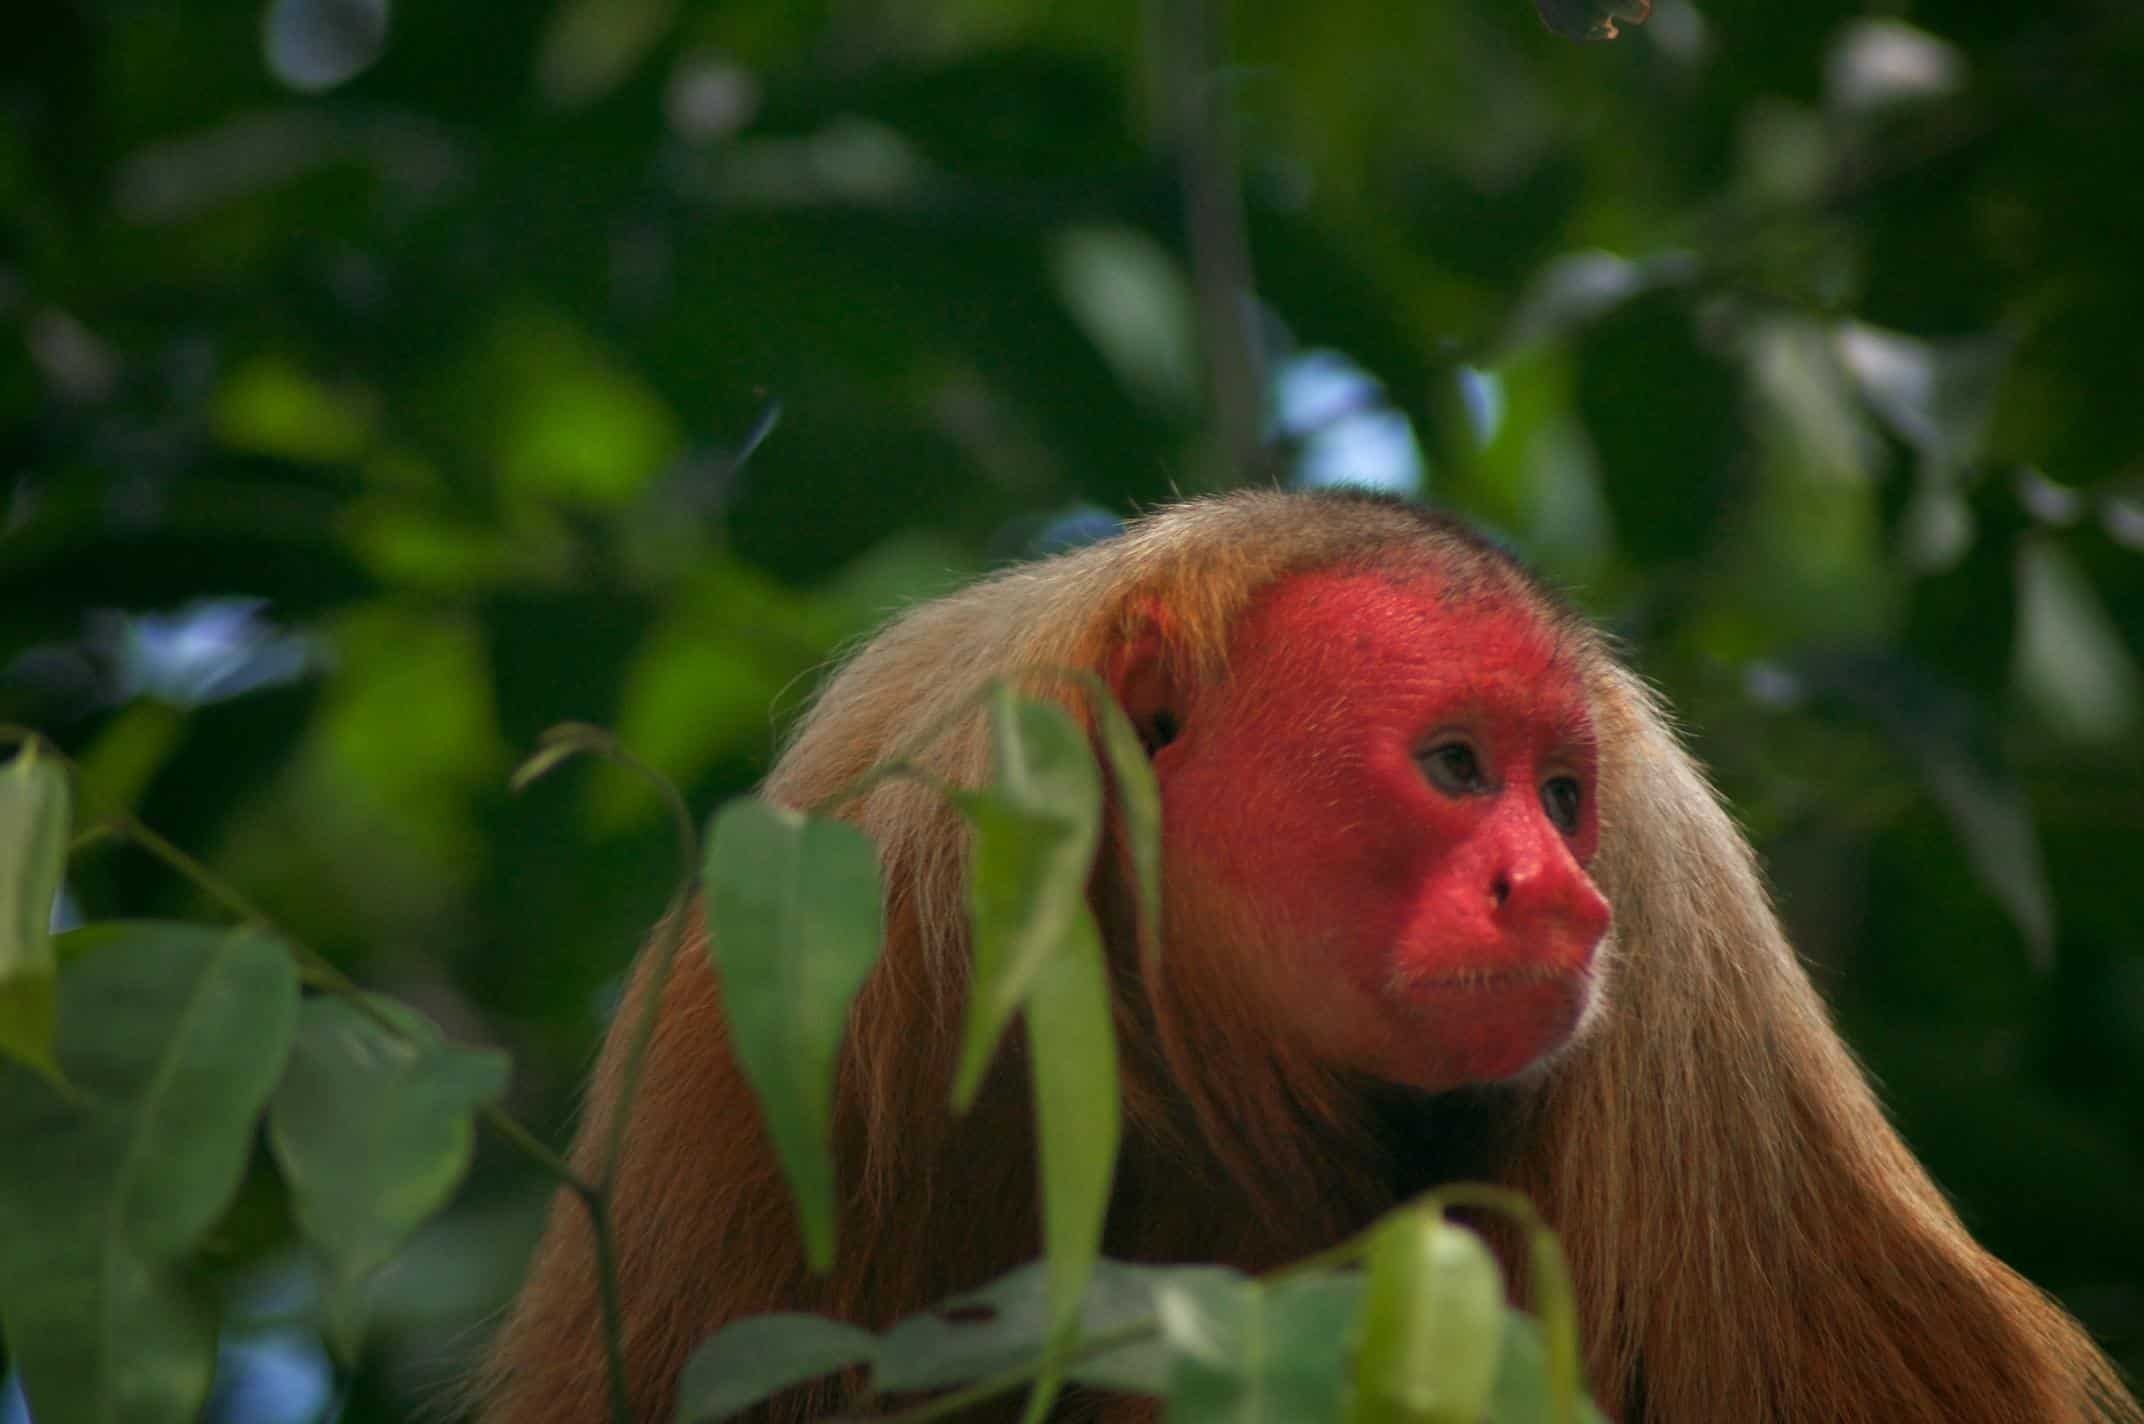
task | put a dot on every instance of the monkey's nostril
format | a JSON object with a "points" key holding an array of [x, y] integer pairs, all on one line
{"points": [[1500, 889]]}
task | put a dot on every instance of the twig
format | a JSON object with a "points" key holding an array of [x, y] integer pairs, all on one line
{"points": [[1198, 128]]}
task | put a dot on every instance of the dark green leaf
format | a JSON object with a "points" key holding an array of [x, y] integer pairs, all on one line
{"points": [[173, 1035], [1662, 408], [1949, 739], [34, 824], [794, 922], [744, 1363], [373, 1129]]}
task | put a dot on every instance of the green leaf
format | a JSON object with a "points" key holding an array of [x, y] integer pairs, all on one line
{"points": [[1938, 398], [34, 823], [1525, 1391], [1072, 1063], [373, 1129], [1007, 1323], [1557, 1300], [1246, 1352], [1955, 746], [1431, 1327], [172, 1036], [1131, 773], [794, 917], [980, 1332], [1128, 294], [1036, 827], [744, 1363]]}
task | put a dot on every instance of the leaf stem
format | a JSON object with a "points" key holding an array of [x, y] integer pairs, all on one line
{"points": [[596, 1200], [126, 825], [1198, 126], [557, 744]]}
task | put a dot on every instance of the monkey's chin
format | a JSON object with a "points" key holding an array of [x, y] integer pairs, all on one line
{"points": [[1485, 1026]]}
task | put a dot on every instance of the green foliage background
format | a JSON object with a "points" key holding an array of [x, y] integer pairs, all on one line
{"points": [[623, 359]]}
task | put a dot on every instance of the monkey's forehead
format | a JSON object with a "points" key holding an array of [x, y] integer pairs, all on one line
{"points": [[1192, 570], [1361, 636]]}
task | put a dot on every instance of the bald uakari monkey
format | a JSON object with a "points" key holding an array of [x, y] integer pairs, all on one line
{"points": [[1444, 898]]}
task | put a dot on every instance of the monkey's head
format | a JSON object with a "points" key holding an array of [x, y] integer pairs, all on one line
{"points": [[1382, 811]]}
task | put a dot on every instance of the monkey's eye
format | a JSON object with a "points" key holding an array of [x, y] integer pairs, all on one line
{"points": [[1454, 769], [1560, 798]]}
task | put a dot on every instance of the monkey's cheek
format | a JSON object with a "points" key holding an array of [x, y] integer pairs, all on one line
{"points": [[1459, 1031]]}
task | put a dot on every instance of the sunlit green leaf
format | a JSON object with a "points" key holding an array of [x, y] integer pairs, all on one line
{"points": [[1072, 1060], [1035, 829], [173, 1036], [272, 406], [373, 1129], [1556, 1299], [744, 1363], [1138, 800], [409, 730], [704, 681], [34, 824], [1247, 1352], [1431, 1327], [574, 422], [794, 921]]}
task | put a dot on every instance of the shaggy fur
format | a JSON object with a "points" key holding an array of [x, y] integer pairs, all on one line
{"points": [[1749, 1237]]}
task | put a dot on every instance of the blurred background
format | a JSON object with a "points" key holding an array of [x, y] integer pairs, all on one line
{"points": [[380, 385]]}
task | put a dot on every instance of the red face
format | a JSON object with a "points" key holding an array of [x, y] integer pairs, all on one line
{"points": [[1389, 802]]}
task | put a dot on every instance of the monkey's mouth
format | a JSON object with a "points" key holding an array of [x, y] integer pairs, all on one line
{"points": [[1431, 986], [1486, 1024], [1489, 980]]}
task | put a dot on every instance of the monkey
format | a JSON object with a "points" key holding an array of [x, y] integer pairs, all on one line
{"points": [[1444, 898]]}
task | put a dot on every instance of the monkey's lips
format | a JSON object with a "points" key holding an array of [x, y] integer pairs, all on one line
{"points": [[1484, 1025]]}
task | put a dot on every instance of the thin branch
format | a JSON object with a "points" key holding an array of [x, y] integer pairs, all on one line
{"points": [[559, 743], [1188, 36], [596, 1200]]}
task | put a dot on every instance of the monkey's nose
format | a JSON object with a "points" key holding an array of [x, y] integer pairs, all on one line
{"points": [[1552, 895]]}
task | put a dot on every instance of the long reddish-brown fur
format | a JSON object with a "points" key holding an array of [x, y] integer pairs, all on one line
{"points": [[1749, 1237]]}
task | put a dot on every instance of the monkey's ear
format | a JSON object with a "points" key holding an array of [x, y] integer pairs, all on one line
{"points": [[1140, 672]]}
